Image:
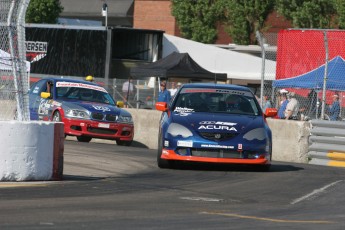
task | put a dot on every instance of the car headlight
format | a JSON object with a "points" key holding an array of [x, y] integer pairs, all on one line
{"points": [[258, 133], [176, 129], [75, 113], [125, 119]]}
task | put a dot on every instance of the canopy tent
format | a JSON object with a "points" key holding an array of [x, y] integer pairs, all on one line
{"points": [[315, 78], [236, 65], [176, 65]]}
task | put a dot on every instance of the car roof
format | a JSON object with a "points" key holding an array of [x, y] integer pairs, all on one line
{"points": [[217, 86]]}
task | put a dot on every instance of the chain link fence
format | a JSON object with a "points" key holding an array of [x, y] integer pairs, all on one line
{"points": [[14, 70], [310, 67]]}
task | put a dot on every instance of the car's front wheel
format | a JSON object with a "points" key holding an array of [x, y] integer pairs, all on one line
{"points": [[123, 143], [57, 117], [84, 139]]}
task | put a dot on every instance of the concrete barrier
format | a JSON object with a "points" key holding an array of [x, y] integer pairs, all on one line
{"points": [[290, 138], [31, 151]]}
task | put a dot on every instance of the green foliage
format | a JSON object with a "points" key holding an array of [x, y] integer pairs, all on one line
{"points": [[197, 19], [43, 11], [308, 13], [339, 6], [244, 18]]}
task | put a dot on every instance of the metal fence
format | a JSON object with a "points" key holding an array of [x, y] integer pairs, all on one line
{"points": [[310, 66], [14, 69]]}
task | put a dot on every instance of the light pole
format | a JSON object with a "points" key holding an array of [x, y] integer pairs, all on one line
{"points": [[105, 13]]}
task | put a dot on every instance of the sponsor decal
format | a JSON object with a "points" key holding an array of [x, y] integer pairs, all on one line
{"points": [[80, 85], [217, 146], [102, 108], [55, 103], [185, 143], [165, 152], [35, 50], [217, 125], [183, 111], [166, 143]]}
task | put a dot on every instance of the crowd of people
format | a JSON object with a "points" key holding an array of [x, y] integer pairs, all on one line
{"points": [[290, 108]]}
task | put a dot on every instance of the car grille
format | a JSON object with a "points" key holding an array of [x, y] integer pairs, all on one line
{"points": [[102, 131], [104, 117], [217, 136], [216, 153]]}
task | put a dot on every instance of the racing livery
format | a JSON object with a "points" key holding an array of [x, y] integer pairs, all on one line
{"points": [[86, 109], [214, 123]]}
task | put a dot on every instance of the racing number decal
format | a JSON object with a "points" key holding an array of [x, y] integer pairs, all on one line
{"points": [[102, 108]]}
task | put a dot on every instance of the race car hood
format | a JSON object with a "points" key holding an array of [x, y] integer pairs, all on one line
{"points": [[201, 122], [95, 107]]}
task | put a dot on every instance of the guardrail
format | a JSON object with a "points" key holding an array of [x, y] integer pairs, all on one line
{"points": [[327, 143]]}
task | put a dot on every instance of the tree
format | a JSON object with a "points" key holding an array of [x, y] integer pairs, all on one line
{"points": [[308, 13], [244, 18], [339, 6], [43, 11], [197, 19]]}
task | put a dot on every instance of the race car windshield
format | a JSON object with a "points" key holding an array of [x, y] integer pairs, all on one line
{"points": [[216, 101], [84, 94]]}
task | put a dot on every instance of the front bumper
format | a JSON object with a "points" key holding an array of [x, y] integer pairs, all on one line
{"points": [[172, 155], [95, 129]]}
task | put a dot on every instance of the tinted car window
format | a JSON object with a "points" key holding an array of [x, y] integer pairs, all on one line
{"points": [[217, 101], [85, 93]]}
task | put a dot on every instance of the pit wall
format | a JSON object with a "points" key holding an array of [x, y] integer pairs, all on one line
{"points": [[290, 138]]}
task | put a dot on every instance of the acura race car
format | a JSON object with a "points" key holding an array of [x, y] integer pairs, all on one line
{"points": [[86, 109], [216, 123]]}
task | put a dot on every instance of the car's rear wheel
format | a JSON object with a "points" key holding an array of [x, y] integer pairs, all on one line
{"points": [[84, 139], [123, 143], [162, 163], [57, 117]]}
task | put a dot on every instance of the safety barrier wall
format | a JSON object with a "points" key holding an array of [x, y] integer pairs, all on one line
{"points": [[290, 138], [31, 150], [327, 143]]}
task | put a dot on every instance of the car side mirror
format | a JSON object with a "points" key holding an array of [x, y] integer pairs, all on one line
{"points": [[120, 104], [162, 106], [271, 112], [45, 95]]}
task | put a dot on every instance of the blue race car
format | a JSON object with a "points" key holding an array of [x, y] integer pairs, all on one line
{"points": [[216, 123], [86, 109]]}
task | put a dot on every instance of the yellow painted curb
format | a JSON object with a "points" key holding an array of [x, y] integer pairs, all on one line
{"points": [[336, 163], [338, 156]]}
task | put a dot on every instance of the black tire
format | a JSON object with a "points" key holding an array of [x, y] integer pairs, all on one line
{"points": [[162, 163], [84, 138], [57, 117], [123, 143]]}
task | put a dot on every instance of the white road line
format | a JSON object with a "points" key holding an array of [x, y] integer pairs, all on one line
{"points": [[315, 192], [201, 199]]}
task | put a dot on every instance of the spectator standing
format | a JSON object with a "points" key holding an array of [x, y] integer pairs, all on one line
{"points": [[334, 109], [127, 90], [292, 107], [164, 94], [173, 89], [283, 103]]}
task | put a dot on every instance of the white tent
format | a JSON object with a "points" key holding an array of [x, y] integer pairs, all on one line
{"points": [[219, 60], [6, 62]]}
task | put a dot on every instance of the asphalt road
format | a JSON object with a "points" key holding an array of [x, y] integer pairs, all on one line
{"points": [[107, 186]]}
